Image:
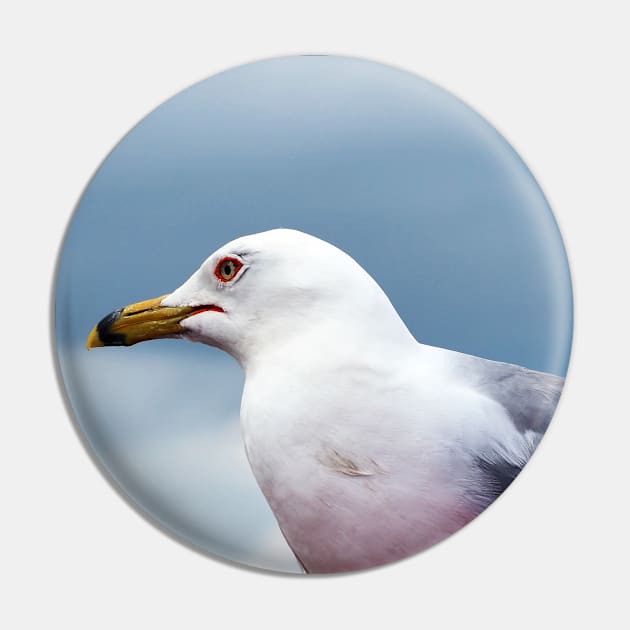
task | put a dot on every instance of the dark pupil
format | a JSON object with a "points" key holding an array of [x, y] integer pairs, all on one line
{"points": [[228, 268]]}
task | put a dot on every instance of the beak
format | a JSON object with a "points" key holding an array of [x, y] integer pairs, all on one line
{"points": [[141, 322]]}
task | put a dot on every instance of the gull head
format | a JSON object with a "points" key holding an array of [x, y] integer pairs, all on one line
{"points": [[256, 293]]}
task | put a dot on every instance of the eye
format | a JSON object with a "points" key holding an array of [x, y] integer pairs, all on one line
{"points": [[227, 269]]}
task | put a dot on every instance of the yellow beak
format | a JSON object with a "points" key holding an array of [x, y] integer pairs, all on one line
{"points": [[141, 322]]}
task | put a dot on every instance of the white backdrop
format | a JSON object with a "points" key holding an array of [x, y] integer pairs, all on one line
{"points": [[552, 77]]}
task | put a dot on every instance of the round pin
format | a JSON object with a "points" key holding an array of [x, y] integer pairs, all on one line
{"points": [[380, 300]]}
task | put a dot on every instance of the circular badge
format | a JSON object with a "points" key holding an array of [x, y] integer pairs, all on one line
{"points": [[380, 298]]}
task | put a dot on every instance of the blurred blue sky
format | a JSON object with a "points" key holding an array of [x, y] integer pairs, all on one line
{"points": [[377, 161]]}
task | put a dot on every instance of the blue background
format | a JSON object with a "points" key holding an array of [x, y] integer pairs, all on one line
{"points": [[418, 188]]}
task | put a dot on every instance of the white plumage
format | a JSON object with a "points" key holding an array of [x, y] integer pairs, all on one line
{"points": [[368, 445]]}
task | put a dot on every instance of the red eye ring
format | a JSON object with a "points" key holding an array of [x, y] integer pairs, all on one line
{"points": [[227, 268]]}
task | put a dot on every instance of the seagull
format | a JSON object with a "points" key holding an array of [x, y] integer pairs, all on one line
{"points": [[368, 445]]}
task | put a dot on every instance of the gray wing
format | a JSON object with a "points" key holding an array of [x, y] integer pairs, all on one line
{"points": [[529, 397]]}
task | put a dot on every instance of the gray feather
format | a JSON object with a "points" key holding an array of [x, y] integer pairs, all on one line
{"points": [[529, 397]]}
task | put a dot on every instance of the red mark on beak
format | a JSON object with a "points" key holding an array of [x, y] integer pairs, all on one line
{"points": [[203, 309]]}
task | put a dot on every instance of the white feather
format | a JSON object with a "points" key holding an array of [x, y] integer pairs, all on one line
{"points": [[368, 445]]}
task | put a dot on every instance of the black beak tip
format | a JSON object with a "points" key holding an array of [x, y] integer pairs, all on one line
{"points": [[107, 337]]}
